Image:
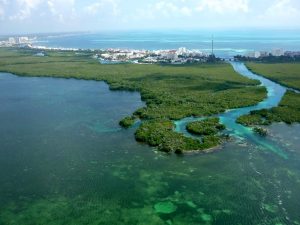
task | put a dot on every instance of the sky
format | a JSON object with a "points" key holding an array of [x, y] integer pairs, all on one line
{"points": [[35, 16]]}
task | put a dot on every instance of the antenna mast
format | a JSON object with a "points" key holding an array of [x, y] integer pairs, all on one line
{"points": [[212, 45]]}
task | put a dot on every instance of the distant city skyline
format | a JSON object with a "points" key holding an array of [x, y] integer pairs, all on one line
{"points": [[35, 16]]}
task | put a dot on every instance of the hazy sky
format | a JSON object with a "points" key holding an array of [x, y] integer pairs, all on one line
{"points": [[25, 16]]}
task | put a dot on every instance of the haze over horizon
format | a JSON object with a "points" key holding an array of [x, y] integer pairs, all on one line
{"points": [[35, 16]]}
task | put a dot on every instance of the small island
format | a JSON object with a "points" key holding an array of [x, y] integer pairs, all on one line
{"points": [[210, 126], [161, 134], [128, 121], [260, 131]]}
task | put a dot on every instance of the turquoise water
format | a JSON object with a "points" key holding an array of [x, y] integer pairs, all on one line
{"points": [[275, 94], [227, 43], [64, 160]]}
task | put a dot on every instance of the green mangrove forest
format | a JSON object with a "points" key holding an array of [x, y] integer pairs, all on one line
{"points": [[171, 92], [287, 74], [210, 126], [288, 111]]}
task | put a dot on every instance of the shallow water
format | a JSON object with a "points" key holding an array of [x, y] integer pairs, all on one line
{"points": [[64, 160]]}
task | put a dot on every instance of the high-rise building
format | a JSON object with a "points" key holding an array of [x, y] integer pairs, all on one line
{"points": [[277, 52], [12, 40], [23, 40]]}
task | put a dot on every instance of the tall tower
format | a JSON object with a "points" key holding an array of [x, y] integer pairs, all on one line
{"points": [[212, 45]]}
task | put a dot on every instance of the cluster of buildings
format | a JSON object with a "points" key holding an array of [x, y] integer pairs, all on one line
{"points": [[292, 54], [274, 52], [179, 56], [16, 41], [52, 48]]}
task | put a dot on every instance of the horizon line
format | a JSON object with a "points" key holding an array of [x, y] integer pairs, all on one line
{"points": [[162, 30]]}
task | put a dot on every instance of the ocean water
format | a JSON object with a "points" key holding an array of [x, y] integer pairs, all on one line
{"points": [[227, 43], [65, 160]]}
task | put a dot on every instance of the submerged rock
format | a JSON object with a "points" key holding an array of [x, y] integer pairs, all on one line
{"points": [[169, 222], [270, 208], [227, 211], [191, 204], [206, 217], [165, 207]]}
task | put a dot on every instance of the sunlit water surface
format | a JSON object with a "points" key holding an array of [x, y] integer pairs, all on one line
{"points": [[227, 43], [64, 160]]}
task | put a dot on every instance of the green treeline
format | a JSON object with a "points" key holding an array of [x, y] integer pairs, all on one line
{"points": [[209, 126], [288, 111], [160, 133], [287, 74], [269, 59], [128, 121]]}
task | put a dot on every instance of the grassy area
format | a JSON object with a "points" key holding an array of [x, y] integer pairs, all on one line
{"points": [[170, 92], [287, 74], [288, 111]]}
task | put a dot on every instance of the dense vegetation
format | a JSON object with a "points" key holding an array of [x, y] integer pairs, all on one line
{"points": [[210, 126], [269, 59], [260, 131], [170, 92], [288, 111], [287, 74], [160, 133], [128, 121]]}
